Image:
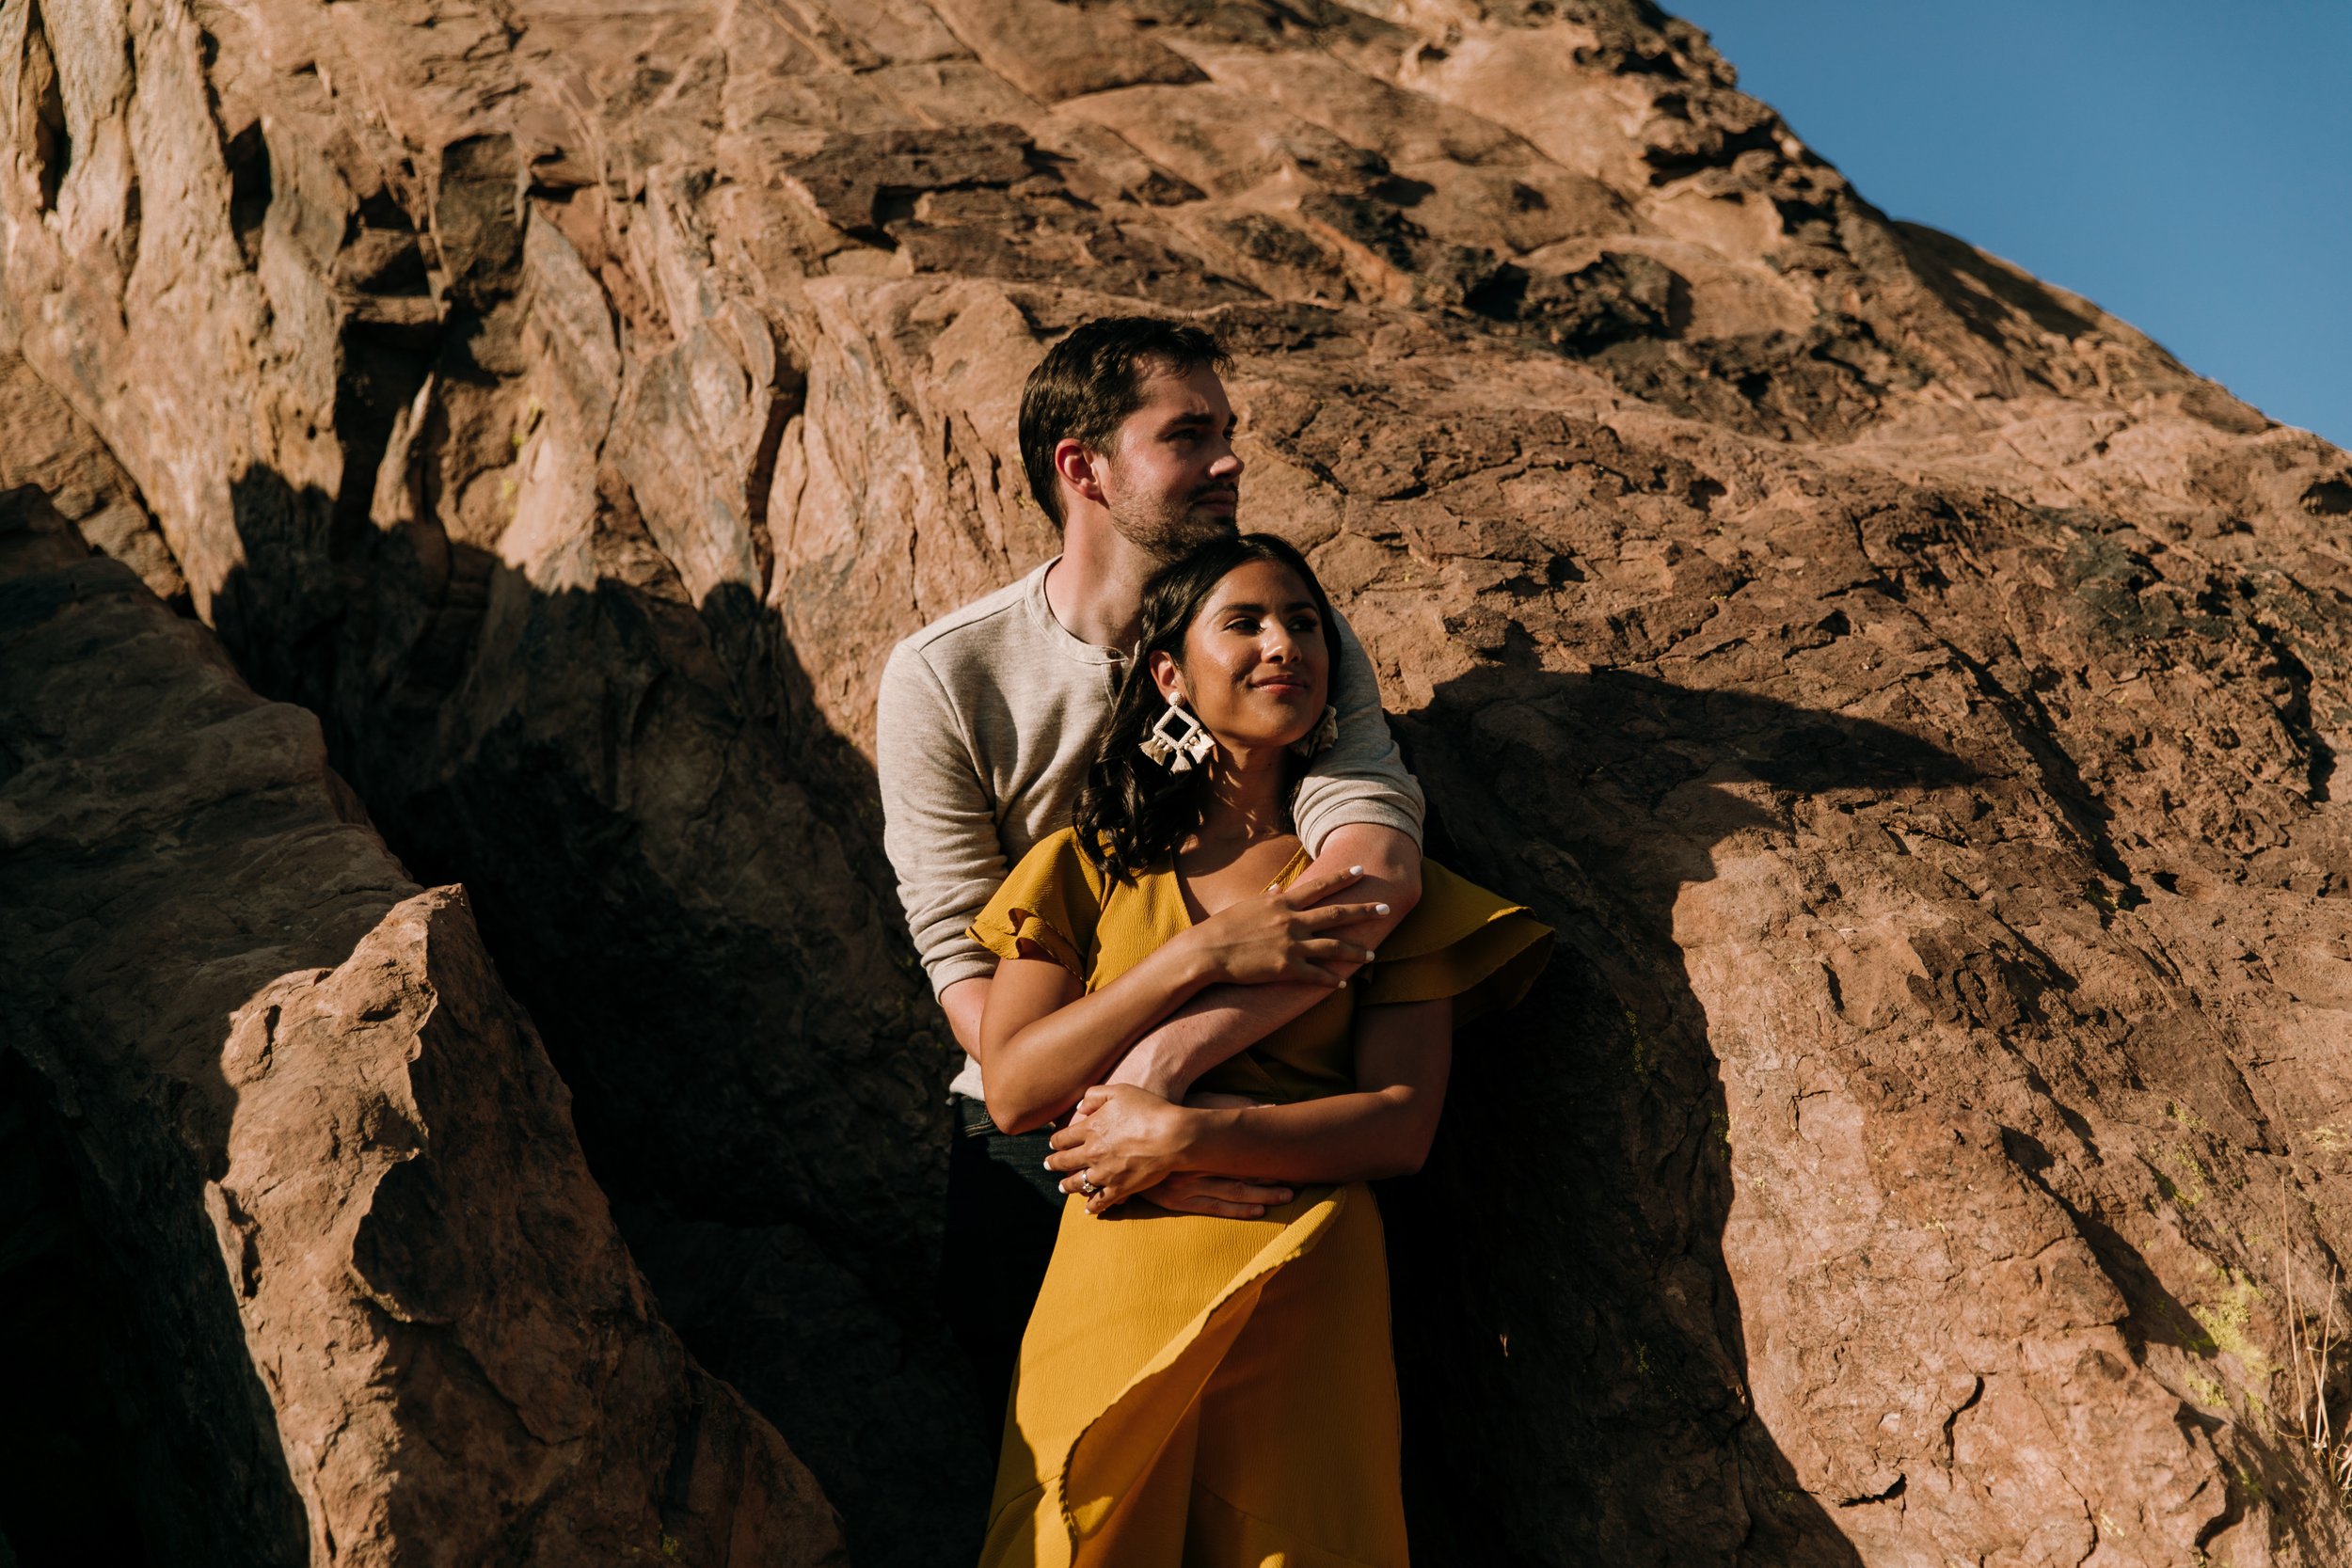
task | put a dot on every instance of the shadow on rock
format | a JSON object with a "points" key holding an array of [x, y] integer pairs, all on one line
{"points": [[137, 1428], [1569, 1339], [678, 864], [301, 1254], [1983, 294], [100, 1461]]}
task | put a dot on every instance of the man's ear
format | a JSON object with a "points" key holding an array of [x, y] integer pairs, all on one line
{"points": [[1169, 677], [1079, 467]]}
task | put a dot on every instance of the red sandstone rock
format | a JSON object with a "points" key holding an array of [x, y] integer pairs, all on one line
{"points": [[1913, 695], [49, 451], [302, 1241]]}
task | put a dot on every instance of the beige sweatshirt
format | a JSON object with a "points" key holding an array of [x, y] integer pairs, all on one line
{"points": [[987, 720]]}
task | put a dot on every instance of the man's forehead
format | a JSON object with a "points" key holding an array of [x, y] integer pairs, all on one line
{"points": [[1167, 393]]}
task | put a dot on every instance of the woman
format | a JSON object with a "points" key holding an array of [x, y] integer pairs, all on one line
{"points": [[1201, 1390]]}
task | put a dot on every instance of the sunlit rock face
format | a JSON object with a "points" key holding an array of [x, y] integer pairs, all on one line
{"points": [[1914, 695]]}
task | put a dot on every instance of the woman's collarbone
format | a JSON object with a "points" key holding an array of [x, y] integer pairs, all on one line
{"points": [[1228, 871]]}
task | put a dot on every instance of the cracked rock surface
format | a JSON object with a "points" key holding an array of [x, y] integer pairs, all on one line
{"points": [[1914, 696]]}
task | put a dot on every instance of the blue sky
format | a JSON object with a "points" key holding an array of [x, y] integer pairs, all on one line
{"points": [[2186, 166]]}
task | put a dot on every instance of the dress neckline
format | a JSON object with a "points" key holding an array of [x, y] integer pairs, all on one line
{"points": [[1299, 861]]}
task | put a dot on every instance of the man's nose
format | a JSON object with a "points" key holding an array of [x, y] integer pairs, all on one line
{"points": [[1227, 464]]}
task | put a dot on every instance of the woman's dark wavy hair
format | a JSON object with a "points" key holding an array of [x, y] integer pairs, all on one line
{"points": [[1132, 813]]}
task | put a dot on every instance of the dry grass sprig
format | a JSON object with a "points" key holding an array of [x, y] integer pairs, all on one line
{"points": [[2311, 1364]]}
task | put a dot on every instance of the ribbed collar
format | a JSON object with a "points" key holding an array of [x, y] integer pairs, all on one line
{"points": [[1074, 647]]}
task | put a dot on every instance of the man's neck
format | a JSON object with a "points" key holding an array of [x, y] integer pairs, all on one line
{"points": [[1096, 589]]}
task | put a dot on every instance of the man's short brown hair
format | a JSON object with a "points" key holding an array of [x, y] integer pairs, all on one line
{"points": [[1089, 381]]}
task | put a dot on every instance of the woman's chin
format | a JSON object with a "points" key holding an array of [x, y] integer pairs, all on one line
{"points": [[1262, 742]]}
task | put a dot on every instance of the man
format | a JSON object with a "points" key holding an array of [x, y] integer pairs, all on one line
{"points": [[987, 722]]}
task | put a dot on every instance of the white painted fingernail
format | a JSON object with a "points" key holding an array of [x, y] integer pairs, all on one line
{"points": [[1380, 909], [1355, 870]]}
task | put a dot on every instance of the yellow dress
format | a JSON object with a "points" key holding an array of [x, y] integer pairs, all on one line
{"points": [[1198, 1392]]}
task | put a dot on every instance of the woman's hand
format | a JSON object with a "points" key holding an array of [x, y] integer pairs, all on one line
{"points": [[1280, 935], [1124, 1141], [1193, 1192]]}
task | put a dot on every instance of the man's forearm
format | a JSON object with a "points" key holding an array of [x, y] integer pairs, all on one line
{"points": [[1215, 1026], [965, 1001], [1225, 1021]]}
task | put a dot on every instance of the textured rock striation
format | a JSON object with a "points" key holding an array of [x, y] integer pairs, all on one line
{"points": [[1915, 695], [302, 1260]]}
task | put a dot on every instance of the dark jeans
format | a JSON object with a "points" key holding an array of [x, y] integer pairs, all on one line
{"points": [[1003, 1208]]}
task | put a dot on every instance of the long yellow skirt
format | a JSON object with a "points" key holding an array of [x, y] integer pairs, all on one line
{"points": [[1198, 1392]]}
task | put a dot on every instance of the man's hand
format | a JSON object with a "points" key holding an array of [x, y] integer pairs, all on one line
{"points": [[1230, 1196], [1282, 935]]}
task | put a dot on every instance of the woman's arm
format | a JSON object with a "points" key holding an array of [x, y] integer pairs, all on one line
{"points": [[1227, 1021], [1129, 1140], [1043, 1038]]}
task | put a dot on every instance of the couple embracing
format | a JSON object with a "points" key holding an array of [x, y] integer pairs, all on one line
{"points": [[1162, 862]]}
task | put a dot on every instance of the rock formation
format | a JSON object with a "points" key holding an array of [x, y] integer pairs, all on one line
{"points": [[301, 1254], [1912, 693]]}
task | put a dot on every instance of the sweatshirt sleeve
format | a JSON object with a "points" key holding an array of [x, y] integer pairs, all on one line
{"points": [[1360, 777], [939, 825]]}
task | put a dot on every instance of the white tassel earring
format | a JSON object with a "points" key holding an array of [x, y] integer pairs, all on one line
{"points": [[1178, 742]]}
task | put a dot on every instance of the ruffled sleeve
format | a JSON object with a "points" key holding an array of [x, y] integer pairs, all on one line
{"points": [[1047, 908], [1460, 942]]}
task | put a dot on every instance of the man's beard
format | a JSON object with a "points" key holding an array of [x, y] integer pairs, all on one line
{"points": [[1168, 531]]}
